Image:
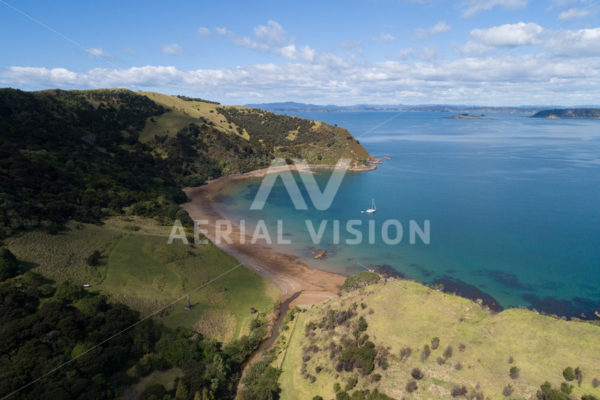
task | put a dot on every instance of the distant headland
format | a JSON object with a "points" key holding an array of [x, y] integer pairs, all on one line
{"points": [[569, 113]]}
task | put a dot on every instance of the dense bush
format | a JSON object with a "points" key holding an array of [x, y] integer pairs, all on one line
{"points": [[9, 266], [359, 280]]}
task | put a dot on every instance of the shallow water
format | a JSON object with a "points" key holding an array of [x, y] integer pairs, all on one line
{"points": [[513, 205]]}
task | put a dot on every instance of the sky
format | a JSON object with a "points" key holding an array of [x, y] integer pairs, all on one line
{"points": [[474, 52]]}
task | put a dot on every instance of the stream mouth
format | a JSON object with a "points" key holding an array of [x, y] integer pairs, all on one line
{"points": [[284, 308]]}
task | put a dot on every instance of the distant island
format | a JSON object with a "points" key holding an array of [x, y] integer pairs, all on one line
{"points": [[293, 107], [570, 113], [467, 116]]}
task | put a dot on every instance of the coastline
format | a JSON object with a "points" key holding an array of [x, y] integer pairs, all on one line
{"points": [[303, 284]]}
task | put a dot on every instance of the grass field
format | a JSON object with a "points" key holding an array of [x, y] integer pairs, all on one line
{"points": [[140, 269], [183, 113], [404, 314]]}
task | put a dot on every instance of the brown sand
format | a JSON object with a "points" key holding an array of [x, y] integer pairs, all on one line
{"points": [[290, 274]]}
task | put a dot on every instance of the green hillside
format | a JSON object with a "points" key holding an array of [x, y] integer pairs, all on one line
{"points": [[87, 155], [374, 338]]}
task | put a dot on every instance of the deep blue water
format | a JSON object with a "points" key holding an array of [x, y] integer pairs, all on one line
{"points": [[513, 205]]}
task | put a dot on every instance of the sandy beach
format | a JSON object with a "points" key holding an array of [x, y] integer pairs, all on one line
{"points": [[307, 285]]}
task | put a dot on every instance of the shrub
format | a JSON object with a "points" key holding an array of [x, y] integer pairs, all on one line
{"points": [[462, 347], [546, 392], [9, 265], [411, 386], [350, 383], [376, 377], [566, 388], [448, 352], [595, 382], [94, 259], [458, 366], [440, 360], [435, 343], [511, 360], [513, 372], [68, 292], [458, 391], [342, 396], [425, 353], [507, 391], [337, 387], [569, 374], [405, 353], [588, 397], [362, 324], [578, 375], [317, 398], [416, 373]]}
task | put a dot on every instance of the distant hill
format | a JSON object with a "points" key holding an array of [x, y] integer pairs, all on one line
{"points": [[86, 155], [287, 107], [569, 113]]}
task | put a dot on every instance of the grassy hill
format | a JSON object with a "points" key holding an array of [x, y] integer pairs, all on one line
{"points": [[476, 355], [138, 268]]}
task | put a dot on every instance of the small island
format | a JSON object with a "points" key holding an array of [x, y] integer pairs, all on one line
{"points": [[569, 113], [467, 116]]}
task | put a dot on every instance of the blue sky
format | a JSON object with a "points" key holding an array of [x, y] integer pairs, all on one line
{"points": [[494, 52]]}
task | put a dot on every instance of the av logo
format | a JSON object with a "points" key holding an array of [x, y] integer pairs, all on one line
{"points": [[321, 200]]}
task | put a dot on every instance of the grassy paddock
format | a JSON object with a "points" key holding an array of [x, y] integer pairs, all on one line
{"points": [[140, 269]]}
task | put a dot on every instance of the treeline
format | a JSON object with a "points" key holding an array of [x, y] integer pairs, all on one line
{"points": [[76, 155], [44, 327]]}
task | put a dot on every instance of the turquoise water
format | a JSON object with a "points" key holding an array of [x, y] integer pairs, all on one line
{"points": [[513, 205]]}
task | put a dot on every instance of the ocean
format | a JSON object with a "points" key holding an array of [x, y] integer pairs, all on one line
{"points": [[512, 204]]}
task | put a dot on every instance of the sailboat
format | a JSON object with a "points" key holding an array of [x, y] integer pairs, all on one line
{"points": [[372, 209]]}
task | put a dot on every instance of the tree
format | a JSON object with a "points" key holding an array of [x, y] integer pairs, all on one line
{"points": [[568, 374], [9, 265], [94, 259]]}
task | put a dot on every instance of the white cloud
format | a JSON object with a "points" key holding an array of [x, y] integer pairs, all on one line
{"points": [[582, 42], [203, 31], [270, 33], [474, 7], [440, 27], [482, 41], [506, 79], [288, 52], [308, 54], [572, 13], [170, 49], [384, 37], [508, 35], [98, 52]]}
